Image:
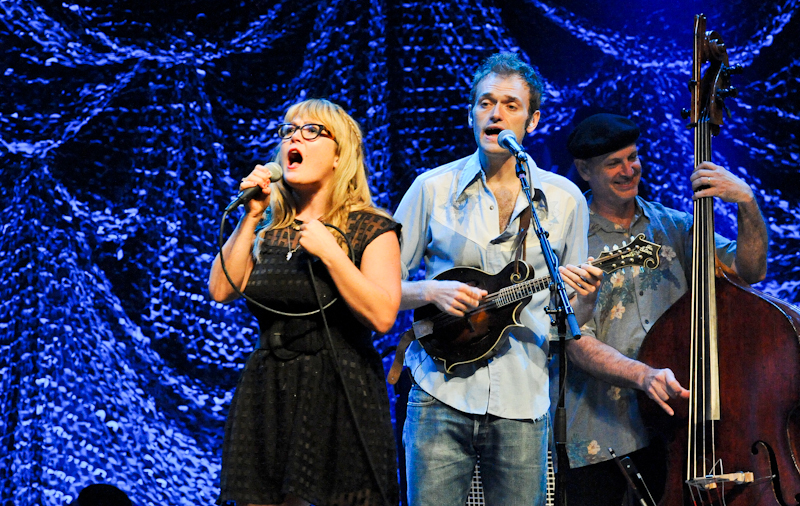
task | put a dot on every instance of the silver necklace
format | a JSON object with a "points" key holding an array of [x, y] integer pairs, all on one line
{"points": [[292, 249]]}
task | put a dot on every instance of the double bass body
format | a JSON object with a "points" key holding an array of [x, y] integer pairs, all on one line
{"points": [[759, 373]]}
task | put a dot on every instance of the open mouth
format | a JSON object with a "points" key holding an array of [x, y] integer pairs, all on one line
{"points": [[493, 130], [295, 157]]}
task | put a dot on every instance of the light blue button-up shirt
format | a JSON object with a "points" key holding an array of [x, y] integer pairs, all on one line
{"points": [[451, 219]]}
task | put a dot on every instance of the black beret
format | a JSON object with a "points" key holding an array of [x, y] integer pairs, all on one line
{"points": [[601, 134]]}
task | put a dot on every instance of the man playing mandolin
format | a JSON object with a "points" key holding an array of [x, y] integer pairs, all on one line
{"points": [[601, 402], [468, 213]]}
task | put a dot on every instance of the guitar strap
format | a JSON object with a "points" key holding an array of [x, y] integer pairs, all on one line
{"points": [[399, 356], [519, 242]]}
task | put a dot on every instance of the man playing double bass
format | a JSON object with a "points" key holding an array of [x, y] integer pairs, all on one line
{"points": [[601, 401]]}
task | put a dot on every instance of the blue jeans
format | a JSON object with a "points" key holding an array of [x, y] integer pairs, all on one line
{"points": [[443, 444]]}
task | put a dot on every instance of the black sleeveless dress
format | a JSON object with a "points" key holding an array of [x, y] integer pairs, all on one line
{"points": [[290, 426]]}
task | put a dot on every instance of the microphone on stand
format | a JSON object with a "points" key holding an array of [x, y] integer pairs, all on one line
{"points": [[508, 140], [275, 174]]}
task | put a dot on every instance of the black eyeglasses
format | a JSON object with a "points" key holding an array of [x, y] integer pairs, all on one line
{"points": [[309, 131]]}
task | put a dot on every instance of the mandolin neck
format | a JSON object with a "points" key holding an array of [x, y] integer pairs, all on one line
{"points": [[524, 289]]}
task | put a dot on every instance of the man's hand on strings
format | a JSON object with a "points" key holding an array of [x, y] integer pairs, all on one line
{"points": [[585, 280], [712, 180], [454, 297]]}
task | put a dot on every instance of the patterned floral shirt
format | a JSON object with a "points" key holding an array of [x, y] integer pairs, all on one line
{"points": [[600, 415]]}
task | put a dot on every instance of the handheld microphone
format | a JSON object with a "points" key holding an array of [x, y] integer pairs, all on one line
{"points": [[508, 140], [275, 174]]}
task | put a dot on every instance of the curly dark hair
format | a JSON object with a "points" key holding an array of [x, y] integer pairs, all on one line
{"points": [[509, 64]]}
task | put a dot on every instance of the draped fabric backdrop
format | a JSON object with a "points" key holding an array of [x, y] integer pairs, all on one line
{"points": [[125, 127]]}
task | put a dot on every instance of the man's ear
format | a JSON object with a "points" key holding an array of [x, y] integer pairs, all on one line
{"points": [[533, 122], [583, 169]]}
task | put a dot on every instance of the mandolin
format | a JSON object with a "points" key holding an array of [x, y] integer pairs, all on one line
{"points": [[478, 335]]}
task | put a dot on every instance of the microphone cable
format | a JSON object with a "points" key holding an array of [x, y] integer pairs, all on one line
{"points": [[220, 244], [350, 405]]}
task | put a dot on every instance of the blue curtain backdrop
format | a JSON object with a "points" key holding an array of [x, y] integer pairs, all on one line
{"points": [[126, 125]]}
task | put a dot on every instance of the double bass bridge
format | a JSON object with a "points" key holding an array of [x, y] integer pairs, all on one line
{"points": [[712, 481]]}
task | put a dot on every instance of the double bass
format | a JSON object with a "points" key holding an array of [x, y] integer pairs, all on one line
{"points": [[737, 440]]}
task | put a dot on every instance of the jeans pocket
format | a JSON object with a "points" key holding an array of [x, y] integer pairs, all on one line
{"points": [[419, 397]]}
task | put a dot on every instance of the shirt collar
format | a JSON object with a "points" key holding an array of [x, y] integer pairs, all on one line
{"points": [[472, 171], [599, 222]]}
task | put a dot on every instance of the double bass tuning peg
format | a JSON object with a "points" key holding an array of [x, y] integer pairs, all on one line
{"points": [[734, 69], [727, 92]]}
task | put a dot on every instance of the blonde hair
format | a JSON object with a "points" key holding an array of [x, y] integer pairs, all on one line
{"points": [[350, 190]]}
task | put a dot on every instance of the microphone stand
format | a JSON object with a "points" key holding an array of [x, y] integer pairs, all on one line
{"points": [[564, 317]]}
